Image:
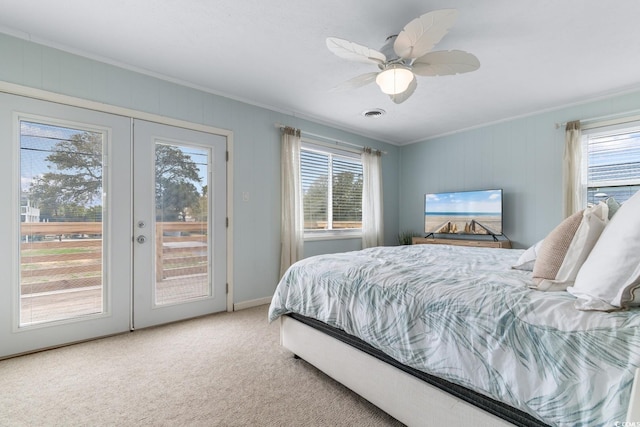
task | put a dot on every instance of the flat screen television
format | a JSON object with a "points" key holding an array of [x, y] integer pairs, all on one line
{"points": [[464, 212]]}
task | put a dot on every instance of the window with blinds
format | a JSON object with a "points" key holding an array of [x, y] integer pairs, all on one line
{"points": [[613, 164], [332, 189]]}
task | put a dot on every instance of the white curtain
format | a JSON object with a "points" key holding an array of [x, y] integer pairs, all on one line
{"points": [[292, 229], [372, 215], [572, 172]]}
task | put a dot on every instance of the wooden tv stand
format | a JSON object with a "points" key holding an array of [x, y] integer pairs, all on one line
{"points": [[506, 244]]}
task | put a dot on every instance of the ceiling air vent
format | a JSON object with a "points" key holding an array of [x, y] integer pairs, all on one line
{"points": [[374, 113]]}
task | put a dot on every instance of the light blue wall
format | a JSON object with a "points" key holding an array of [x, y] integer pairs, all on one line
{"points": [[256, 147], [522, 156]]}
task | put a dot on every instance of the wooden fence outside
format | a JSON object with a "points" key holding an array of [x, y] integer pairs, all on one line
{"points": [[67, 255], [337, 225]]}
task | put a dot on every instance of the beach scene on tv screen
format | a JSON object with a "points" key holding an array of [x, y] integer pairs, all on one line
{"points": [[466, 212]]}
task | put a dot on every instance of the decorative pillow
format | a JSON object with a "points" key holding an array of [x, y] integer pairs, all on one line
{"points": [[528, 258], [565, 249], [613, 206], [610, 277]]}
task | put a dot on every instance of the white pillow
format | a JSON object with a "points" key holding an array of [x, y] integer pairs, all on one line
{"points": [[528, 258], [566, 248], [610, 276]]}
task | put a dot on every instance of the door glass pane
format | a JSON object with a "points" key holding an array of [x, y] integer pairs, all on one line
{"points": [[61, 210], [182, 223]]}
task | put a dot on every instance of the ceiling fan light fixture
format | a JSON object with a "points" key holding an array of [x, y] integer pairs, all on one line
{"points": [[394, 80], [407, 55]]}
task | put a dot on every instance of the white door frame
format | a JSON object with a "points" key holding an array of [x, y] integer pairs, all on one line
{"points": [[43, 95]]}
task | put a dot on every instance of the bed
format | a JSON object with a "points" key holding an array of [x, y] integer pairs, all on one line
{"points": [[437, 334]]}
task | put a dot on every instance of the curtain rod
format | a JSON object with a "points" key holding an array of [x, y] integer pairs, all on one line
{"points": [[608, 120], [281, 126]]}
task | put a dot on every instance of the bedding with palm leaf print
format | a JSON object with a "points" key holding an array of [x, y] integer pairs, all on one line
{"points": [[463, 314]]}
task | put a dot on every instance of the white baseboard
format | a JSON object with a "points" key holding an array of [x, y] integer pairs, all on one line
{"points": [[251, 303]]}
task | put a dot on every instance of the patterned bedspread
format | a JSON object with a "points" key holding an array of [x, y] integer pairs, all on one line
{"points": [[461, 313]]}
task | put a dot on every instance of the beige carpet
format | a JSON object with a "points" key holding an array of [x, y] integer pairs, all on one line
{"points": [[227, 369]]}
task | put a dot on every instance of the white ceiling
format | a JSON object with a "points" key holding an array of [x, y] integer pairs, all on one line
{"points": [[534, 55]]}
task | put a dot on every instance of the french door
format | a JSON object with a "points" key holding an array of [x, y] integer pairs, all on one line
{"points": [[104, 228], [65, 254], [180, 223]]}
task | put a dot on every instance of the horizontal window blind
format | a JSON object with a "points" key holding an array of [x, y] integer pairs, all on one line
{"points": [[613, 165], [314, 170], [332, 190], [347, 193]]}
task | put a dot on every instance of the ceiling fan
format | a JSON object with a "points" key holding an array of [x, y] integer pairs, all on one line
{"points": [[406, 55]]}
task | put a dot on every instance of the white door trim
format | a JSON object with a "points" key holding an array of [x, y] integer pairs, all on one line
{"points": [[15, 89]]}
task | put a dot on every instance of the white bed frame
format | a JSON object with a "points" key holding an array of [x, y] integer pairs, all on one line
{"points": [[406, 398]]}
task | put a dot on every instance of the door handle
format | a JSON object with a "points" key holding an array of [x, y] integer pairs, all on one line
{"points": [[141, 239]]}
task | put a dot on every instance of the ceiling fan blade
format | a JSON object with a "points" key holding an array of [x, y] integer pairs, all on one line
{"points": [[356, 82], [445, 62], [399, 98], [423, 33], [354, 52]]}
